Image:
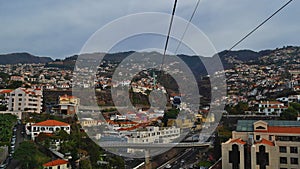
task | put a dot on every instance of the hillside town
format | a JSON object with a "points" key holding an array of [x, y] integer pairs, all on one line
{"points": [[259, 125]]}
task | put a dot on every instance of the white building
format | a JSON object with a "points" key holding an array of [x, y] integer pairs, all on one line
{"points": [[27, 100], [49, 127], [153, 134], [269, 107]]}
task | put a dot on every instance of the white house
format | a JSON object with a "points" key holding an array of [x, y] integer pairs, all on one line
{"points": [[49, 127], [268, 107]]}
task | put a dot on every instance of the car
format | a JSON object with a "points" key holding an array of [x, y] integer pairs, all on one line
{"points": [[168, 166], [12, 147], [182, 161], [12, 151], [14, 136], [15, 129], [3, 166]]}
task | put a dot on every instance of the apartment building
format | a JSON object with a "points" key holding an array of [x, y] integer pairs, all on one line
{"points": [[263, 145], [25, 100]]}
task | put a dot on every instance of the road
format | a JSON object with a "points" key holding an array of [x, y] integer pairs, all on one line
{"points": [[184, 160], [14, 164]]}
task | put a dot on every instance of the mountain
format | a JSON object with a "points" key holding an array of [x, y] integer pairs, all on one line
{"points": [[15, 58]]}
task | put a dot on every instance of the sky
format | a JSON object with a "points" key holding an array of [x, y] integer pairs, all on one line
{"points": [[61, 28]]}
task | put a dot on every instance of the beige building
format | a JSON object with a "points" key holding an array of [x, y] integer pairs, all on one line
{"points": [[25, 100], [263, 145], [68, 104]]}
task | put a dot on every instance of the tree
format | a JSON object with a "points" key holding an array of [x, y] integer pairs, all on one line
{"points": [[14, 85], [295, 106], [29, 155], [289, 114], [85, 164]]}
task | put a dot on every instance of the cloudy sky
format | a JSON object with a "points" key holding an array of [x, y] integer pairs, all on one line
{"points": [[61, 28]]}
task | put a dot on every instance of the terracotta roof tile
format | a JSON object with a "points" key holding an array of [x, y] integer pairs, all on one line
{"points": [[238, 140], [6, 91], [266, 142], [51, 123], [55, 163], [279, 129]]}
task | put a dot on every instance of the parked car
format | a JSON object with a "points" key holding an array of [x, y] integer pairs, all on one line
{"points": [[168, 166]]}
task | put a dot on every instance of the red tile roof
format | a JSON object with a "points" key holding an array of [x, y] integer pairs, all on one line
{"points": [[238, 140], [266, 142], [51, 123], [55, 163], [6, 91], [271, 102], [276, 106], [279, 129]]}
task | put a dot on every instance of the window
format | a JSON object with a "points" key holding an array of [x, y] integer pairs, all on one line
{"points": [[283, 160], [294, 150], [260, 128], [294, 160], [257, 137], [270, 137], [282, 149]]}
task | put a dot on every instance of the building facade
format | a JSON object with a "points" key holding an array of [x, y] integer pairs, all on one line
{"points": [[25, 100], [263, 145], [269, 107], [49, 127], [57, 164], [68, 104]]}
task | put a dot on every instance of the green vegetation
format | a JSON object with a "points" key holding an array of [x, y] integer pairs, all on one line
{"points": [[7, 121], [291, 113], [240, 108], [109, 110], [205, 164], [30, 156], [170, 114], [79, 146], [14, 85], [224, 133]]}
